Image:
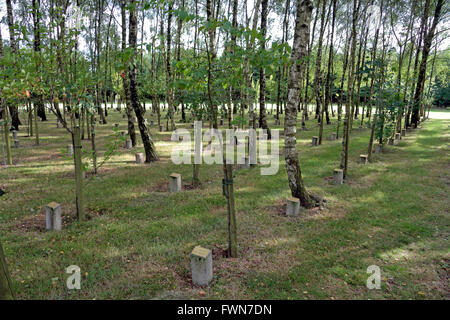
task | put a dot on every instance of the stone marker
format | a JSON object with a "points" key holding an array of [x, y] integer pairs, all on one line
{"points": [[338, 176], [292, 207], [175, 182], [403, 132], [315, 141], [70, 150], [139, 158], [391, 141], [201, 266], [83, 174], [378, 148], [128, 144], [246, 164], [53, 216], [397, 136], [363, 158], [333, 136]]}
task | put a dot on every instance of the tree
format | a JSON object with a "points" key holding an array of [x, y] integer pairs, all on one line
{"points": [[150, 152], [39, 103], [299, 51], [168, 68], [262, 75], [428, 39], [13, 109], [347, 123], [125, 77]]}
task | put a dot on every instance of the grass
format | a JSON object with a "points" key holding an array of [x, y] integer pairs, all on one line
{"points": [[392, 213]]}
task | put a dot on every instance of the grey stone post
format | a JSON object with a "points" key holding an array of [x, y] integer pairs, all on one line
{"points": [[53, 216], [292, 207], [175, 182], [201, 266], [70, 150], [338, 176], [378, 148], [363, 158], [139, 158]]}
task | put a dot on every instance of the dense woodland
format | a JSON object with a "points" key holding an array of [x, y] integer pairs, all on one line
{"points": [[320, 66]]}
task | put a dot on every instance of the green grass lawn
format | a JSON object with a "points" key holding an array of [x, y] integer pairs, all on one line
{"points": [[393, 212]]}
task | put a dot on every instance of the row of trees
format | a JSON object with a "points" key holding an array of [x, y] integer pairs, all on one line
{"points": [[376, 61]]}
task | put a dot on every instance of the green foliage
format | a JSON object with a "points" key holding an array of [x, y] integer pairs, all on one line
{"points": [[441, 94]]}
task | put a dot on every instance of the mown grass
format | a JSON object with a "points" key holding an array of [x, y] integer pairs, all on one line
{"points": [[393, 212]]}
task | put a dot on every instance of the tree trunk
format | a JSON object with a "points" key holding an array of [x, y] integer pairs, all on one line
{"points": [[212, 57], [346, 138], [329, 80], [97, 68], [125, 79], [318, 79], [262, 74], [168, 70], [299, 51], [247, 77], [6, 291], [38, 101], [180, 93], [428, 39], [13, 109], [150, 152]]}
